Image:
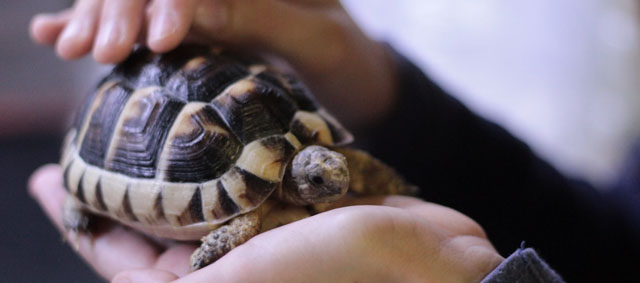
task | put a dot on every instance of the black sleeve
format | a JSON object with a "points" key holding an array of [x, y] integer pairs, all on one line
{"points": [[463, 161], [523, 266]]}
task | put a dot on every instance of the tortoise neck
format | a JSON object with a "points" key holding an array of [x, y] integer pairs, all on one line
{"points": [[288, 190]]}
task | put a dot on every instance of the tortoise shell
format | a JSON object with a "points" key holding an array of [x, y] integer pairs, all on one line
{"points": [[196, 135]]}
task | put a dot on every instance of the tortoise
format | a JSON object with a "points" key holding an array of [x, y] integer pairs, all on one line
{"points": [[211, 144]]}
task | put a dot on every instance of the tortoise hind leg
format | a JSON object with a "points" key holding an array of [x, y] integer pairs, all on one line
{"points": [[222, 240], [370, 176], [74, 217]]}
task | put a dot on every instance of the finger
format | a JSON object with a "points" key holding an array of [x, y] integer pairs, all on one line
{"points": [[444, 217], [116, 250], [45, 28], [329, 247], [113, 251], [170, 22], [175, 259], [386, 200], [120, 23], [144, 275], [45, 185], [77, 37], [265, 258], [299, 34]]}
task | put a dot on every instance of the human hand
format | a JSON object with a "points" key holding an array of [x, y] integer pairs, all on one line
{"points": [[388, 239], [350, 73], [111, 247]]}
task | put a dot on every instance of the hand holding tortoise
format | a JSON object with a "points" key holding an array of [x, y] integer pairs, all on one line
{"points": [[400, 239], [337, 60]]}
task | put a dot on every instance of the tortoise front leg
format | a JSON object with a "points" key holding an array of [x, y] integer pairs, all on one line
{"points": [[226, 237], [74, 217], [370, 176]]}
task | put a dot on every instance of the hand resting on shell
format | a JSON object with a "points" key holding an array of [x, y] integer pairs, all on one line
{"points": [[378, 239], [350, 73]]}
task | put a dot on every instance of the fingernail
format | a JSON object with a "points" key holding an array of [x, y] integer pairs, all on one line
{"points": [[122, 279]]}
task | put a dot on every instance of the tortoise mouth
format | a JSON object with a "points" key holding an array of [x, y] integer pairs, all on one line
{"points": [[316, 180]]}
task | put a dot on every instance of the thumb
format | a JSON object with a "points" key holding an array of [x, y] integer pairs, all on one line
{"points": [[306, 36], [144, 275]]}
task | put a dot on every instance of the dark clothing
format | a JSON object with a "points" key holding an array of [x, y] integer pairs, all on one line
{"points": [[523, 266], [463, 161]]}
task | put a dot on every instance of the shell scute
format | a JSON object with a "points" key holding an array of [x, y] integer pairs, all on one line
{"points": [[190, 136], [100, 125], [203, 78], [253, 111], [199, 146], [141, 132]]}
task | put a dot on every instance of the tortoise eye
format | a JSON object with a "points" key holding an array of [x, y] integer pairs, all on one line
{"points": [[317, 180]]}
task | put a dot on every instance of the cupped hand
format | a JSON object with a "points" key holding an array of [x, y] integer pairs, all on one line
{"points": [[350, 73], [376, 239], [111, 248]]}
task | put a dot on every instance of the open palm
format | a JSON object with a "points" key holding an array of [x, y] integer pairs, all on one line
{"points": [[374, 239]]}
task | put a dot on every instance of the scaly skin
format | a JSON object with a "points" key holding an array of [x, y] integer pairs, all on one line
{"points": [[222, 240], [316, 175], [370, 176], [73, 217]]}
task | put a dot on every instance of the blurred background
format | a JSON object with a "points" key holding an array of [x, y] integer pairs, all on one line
{"points": [[562, 75]]}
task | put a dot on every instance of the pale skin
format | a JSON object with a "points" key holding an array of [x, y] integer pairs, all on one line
{"points": [[389, 239], [377, 239], [317, 37]]}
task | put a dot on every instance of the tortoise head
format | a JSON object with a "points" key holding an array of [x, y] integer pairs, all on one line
{"points": [[317, 175]]}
